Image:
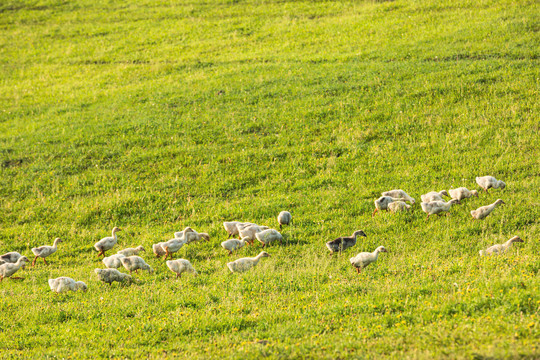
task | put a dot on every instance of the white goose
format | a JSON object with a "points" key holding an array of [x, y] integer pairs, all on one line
{"points": [[158, 250], [233, 244], [244, 264], [398, 206], [250, 231], [180, 266], [399, 194], [434, 196], [181, 234], [107, 243], [113, 261], [10, 257], [488, 182], [383, 202], [231, 227], [462, 193], [363, 259], [284, 218], [437, 207], [194, 236], [265, 237], [63, 284], [111, 275], [500, 248], [8, 269], [484, 211], [44, 251], [172, 246], [132, 251], [134, 263]]}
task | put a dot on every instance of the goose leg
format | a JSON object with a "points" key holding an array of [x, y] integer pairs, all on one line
{"points": [[34, 262], [280, 227], [358, 270], [230, 252], [45, 261], [374, 212]]}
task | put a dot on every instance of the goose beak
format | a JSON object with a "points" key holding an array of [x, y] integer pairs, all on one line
{"points": [[519, 240]]}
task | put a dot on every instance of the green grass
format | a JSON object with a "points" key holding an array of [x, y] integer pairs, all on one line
{"points": [[156, 115]]}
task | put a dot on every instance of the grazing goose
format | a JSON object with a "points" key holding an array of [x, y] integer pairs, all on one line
{"points": [[111, 275], [437, 207], [10, 257], [113, 261], [250, 231], [8, 269], [132, 251], [181, 234], [488, 182], [265, 237], [484, 211], [398, 206], [158, 250], [500, 248], [434, 196], [398, 194], [462, 193], [180, 266], [344, 242], [382, 203], [233, 244], [191, 237], [172, 246], [107, 243], [63, 284], [134, 263], [363, 259], [231, 227], [244, 264], [44, 251], [284, 218]]}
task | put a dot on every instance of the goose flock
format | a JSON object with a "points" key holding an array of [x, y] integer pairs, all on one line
{"points": [[394, 201]]}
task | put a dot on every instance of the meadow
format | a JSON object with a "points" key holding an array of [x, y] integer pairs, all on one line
{"points": [[157, 115]]}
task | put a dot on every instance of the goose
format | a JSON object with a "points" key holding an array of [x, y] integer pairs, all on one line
{"points": [[158, 250], [250, 231], [344, 242], [8, 269], [363, 259], [484, 211], [63, 284], [284, 218], [10, 257], [44, 251], [398, 194], [244, 264], [231, 227], [462, 193], [113, 261], [233, 244], [382, 203], [500, 248], [191, 237], [111, 275], [434, 196], [437, 207], [488, 182], [134, 263], [398, 206], [181, 234], [107, 243], [180, 266], [265, 237], [172, 246], [132, 251]]}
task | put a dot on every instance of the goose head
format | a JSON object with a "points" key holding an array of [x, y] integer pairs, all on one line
{"points": [[381, 249], [474, 193], [115, 230], [264, 254], [454, 201], [516, 239], [501, 184], [444, 193], [140, 248], [57, 241], [81, 285], [359, 233], [205, 236], [499, 202]]}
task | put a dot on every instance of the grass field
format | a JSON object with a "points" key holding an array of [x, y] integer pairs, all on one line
{"points": [[156, 115]]}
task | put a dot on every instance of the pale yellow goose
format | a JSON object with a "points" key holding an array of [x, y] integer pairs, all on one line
{"points": [[484, 211]]}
